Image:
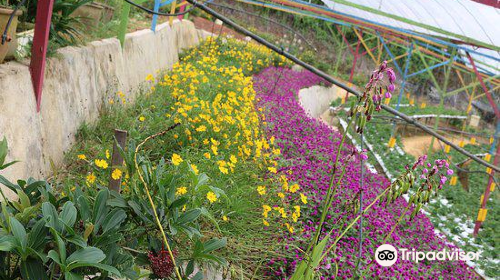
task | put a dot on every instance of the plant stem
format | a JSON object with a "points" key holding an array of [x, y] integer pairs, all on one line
{"points": [[354, 222], [331, 190], [151, 199]]}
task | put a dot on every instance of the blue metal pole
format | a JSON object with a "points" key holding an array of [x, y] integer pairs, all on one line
{"points": [[430, 68], [407, 65], [390, 54], [155, 17]]}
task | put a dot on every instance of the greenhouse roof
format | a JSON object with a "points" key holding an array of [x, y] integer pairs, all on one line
{"points": [[461, 21]]}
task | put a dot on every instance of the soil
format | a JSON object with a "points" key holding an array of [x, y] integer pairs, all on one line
{"points": [[210, 26], [419, 145]]}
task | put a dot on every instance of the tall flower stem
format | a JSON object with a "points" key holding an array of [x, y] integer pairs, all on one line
{"points": [[150, 199], [331, 189]]}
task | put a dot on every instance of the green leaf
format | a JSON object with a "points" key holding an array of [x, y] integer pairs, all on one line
{"points": [[101, 266], [100, 208], [72, 276], [32, 269], [3, 150], [113, 219], [83, 203], [189, 216], [214, 244], [19, 232], [198, 276], [86, 255], [8, 184], [7, 243], [23, 199], [50, 214], [36, 237], [61, 246], [68, 214], [54, 256]]}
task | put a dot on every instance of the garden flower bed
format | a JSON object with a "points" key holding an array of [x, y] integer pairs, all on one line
{"points": [[307, 147], [452, 212]]}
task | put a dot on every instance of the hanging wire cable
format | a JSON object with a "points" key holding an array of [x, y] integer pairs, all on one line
{"points": [[5, 37]]}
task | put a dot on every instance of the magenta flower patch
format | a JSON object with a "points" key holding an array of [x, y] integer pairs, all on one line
{"points": [[308, 147]]}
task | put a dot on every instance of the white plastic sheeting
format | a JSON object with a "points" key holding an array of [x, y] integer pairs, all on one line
{"points": [[463, 17]]}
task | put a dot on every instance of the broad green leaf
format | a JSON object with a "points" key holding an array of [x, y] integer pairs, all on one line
{"points": [[19, 232], [36, 237], [72, 276], [101, 266], [198, 276], [214, 244], [4, 148], [113, 219], [54, 256], [50, 214], [68, 214], [61, 246], [85, 213], [23, 199], [7, 243], [32, 269], [100, 208], [8, 184], [86, 255], [189, 216]]}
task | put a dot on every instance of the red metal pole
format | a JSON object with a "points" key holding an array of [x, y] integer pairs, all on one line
{"points": [[356, 55], [181, 9], [39, 49], [345, 40], [496, 158], [486, 91], [488, 189]]}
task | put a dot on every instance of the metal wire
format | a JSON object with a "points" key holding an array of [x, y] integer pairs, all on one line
{"points": [[4, 35]]}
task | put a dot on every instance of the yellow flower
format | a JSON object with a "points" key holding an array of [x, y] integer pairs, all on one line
{"points": [[303, 198], [195, 169], [265, 210], [289, 227], [261, 190], [142, 118], [212, 197], [150, 78], [294, 188], [101, 163], [82, 157], [214, 150], [272, 170], [176, 159], [207, 155], [91, 178], [117, 174], [233, 159], [265, 222], [201, 128], [225, 218], [181, 191], [205, 141], [223, 170], [281, 195], [107, 154]]}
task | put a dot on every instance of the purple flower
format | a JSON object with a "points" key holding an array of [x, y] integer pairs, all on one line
{"points": [[449, 172], [391, 88], [388, 94]]}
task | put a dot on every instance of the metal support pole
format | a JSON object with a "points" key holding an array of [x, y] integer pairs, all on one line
{"points": [[39, 48], [488, 95], [489, 187], [356, 55], [442, 93]]}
